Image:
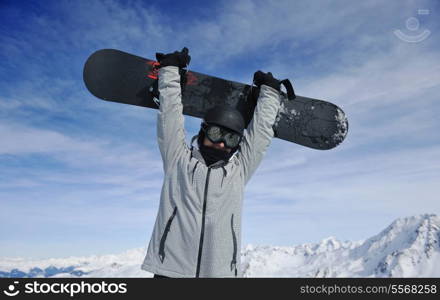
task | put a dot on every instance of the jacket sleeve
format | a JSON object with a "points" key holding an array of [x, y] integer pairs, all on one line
{"points": [[170, 122], [259, 133]]}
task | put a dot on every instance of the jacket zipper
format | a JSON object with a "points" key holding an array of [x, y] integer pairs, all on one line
{"points": [[234, 255], [164, 236], [199, 258]]}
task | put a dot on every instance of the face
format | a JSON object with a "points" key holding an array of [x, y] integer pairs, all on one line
{"points": [[220, 146]]}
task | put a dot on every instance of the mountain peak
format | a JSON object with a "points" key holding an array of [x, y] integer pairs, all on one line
{"points": [[403, 248]]}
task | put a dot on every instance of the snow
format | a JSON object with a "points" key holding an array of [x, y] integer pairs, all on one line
{"points": [[342, 126], [126, 264], [409, 247]]}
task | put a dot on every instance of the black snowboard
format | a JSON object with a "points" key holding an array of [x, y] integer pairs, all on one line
{"points": [[117, 76]]}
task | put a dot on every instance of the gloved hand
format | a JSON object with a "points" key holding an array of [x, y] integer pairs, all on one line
{"points": [[178, 58], [261, 78]]}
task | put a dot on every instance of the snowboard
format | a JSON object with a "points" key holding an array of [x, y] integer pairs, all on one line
{"points": [[117, 76]]}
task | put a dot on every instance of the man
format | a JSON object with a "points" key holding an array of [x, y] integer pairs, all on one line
{"points": [[198, 227]]}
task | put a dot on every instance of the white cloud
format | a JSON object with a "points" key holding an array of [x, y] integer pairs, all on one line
{"points": [[392, 76], [396, 181], [20, 140]]}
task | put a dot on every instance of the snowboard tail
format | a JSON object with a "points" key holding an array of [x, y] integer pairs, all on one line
{"points": [[117, 76]]}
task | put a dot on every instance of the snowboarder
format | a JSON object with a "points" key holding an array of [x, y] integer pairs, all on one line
{"points": [[197, 232]]}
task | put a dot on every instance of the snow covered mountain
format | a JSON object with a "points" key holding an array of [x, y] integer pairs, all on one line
{"points": [[409, 247]]}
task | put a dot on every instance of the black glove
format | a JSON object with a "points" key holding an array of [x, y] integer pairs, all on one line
{"points": [[261, 78], [177, 59]]}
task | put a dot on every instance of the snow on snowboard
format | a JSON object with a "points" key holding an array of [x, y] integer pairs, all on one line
{"points": [[118, 76]]}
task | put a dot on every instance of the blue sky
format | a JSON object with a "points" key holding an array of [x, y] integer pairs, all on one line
{"points": [[80, 176]]}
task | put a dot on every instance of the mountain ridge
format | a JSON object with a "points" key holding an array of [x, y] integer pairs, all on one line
{"points": [[408, 247]]}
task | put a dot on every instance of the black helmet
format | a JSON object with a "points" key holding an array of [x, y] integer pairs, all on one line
{"points": [[227, 117]]}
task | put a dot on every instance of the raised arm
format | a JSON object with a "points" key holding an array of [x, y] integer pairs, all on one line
{"points": [[259, 133], [170, 122]]}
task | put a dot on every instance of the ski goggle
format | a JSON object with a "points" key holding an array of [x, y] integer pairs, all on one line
{"points": [[217, 134]]}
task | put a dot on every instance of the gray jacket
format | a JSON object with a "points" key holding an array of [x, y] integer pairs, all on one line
{"points": [[198, 227]]}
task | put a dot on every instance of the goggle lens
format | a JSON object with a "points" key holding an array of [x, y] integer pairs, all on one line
{"points": [[218, 134]]}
